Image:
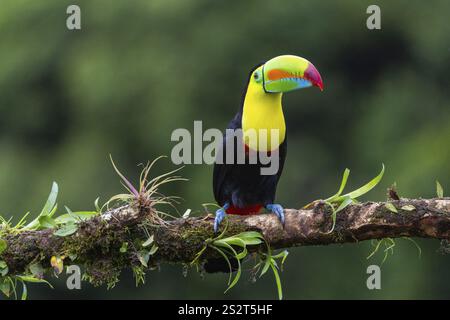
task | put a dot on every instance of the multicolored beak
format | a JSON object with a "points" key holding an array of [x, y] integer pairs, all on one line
{"points": [[287, 73]]}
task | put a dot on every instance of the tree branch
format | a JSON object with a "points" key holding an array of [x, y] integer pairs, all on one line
{"points": [[97, 242]]}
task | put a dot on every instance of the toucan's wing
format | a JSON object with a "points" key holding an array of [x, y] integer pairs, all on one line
{"points": [[283, 152], [222, 171], [267, 185]]}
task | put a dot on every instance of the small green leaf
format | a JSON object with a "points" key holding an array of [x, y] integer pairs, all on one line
{"points": [[65, 218], [391, 207], [66, 229], [342, 186], [250, 234], [347, 201], [153, 249], [3, 268], [278, 281], [3, 245], [5, 286], [282, 255], [143, 257], [37, 270], [252, 241], [227, 261], [97, 206], [33, 280], [250, 237], [148, 242], [186, 214], [227, 242], [124, 247], [73, 256], [439, 190], [51, 201], [24, 291], [46, 222], [408, 207], [238, 272], [231, 241], [25, 279], [48, 210], [367, 187], [266, 267], [75, 216], [285, 255]]}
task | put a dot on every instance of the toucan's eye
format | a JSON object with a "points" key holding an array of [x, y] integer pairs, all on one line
{"points": [[257, 76]]}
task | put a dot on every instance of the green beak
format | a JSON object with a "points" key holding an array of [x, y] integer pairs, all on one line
{"points": [[287, 73]]}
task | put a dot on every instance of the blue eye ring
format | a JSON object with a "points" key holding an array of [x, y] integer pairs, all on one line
{"points": [[257, 76]]}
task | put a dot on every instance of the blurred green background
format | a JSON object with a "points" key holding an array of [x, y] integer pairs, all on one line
{"points": [[140, 69]]}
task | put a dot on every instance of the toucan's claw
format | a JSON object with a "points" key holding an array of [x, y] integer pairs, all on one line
{"points": [[220, 214], [278, 210]]}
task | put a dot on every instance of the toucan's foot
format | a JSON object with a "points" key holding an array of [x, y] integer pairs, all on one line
{"points": [[278, 210], [220, 214]]}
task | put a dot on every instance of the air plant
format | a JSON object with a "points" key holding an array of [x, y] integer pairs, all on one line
{"points": [[146, 196]]}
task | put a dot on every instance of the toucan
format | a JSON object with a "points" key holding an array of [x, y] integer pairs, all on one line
{"points": [[240, 187]]}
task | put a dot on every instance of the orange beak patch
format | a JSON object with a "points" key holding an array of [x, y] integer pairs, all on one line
{"points": [[277, 74]]}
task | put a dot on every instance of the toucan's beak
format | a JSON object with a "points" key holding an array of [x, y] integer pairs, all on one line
{"points": [[287, 73]]}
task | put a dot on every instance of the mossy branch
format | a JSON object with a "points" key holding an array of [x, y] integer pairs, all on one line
{"points": [[98, 241], [137, 235], [425, 218]]}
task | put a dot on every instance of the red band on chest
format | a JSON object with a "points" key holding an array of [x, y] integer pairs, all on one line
{"points": [[247, 151]]}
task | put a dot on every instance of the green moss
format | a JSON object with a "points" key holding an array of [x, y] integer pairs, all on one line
{"points": [[102, 271]]}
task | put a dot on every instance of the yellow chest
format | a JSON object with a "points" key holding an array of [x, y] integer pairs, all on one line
{"points": [[263, 124]]}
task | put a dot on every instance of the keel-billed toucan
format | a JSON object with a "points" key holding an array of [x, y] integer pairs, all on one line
{"points": [[241, 188]]}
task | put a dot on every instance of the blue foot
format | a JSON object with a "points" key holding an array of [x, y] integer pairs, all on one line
{"points": [[220, 214], [278, 210]]}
